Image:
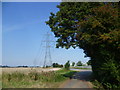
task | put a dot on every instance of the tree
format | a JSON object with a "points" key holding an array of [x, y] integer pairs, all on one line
{"points": [[73, 63], [94, 27], [89, 62], [79, 63], [57, 65], [67, 65]]}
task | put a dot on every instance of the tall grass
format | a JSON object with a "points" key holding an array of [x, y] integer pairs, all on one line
{"points": [[33, 79]]}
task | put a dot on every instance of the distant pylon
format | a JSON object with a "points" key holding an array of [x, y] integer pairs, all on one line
{"points": [[47, 58]]}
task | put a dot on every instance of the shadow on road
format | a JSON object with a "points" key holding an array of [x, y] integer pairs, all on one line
{"points": [[83, 75], [81, 79]]}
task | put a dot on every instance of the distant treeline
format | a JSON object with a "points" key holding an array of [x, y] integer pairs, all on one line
{"points": [[16, 66], [57, 65]]}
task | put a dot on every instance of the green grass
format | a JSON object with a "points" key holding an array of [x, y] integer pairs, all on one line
{"points": [[51, 79]]}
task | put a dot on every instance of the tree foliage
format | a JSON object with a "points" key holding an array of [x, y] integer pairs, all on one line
{"points": [[89, 62], [79, 63], [73, 63], [67, 65], [57, 65], [94, 27]]}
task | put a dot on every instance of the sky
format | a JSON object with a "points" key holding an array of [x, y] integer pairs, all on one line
{"points": [[24, 32]]}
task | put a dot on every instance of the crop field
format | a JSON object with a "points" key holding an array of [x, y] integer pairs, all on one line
{"points": [[27, 70], [34, 77]]}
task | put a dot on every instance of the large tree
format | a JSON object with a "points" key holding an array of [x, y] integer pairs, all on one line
{"points": [[95, 28]]}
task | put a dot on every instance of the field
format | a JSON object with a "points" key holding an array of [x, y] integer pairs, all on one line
{"points": [[34, 77], [27, 70]]}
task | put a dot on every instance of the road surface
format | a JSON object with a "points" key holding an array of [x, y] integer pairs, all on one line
{"points": [[79, 80]]}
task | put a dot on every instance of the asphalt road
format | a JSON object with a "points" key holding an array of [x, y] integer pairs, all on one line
{"points": [[79, 80]]}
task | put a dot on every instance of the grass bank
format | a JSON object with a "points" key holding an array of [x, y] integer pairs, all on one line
{"points": [[33, 79]]}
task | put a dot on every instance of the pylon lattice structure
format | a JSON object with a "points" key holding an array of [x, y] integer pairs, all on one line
{"points": [[47, 58]]}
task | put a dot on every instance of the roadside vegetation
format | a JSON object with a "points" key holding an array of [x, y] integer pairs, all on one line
{"points": [[95, 28], [33, 79]]}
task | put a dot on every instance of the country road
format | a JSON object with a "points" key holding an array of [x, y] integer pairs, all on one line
{"points": [[79, 80]]}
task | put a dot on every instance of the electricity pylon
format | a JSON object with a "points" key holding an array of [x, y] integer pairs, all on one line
{"points": [[47, 58]]}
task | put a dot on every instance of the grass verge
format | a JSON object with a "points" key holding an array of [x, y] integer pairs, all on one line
{"points": [[33, 79]]}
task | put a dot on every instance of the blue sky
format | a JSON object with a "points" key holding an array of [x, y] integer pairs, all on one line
{"points": [[23, 30]]}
